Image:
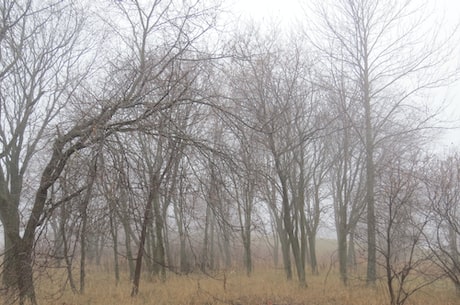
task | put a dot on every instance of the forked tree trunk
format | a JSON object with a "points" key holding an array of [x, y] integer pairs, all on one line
{"points": [[289, 227]]}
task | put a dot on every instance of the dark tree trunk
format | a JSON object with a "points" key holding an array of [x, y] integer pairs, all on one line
{"points": [[84, 219], [205, 254], [160, 255], [226, 246], [342, 252], [67, 256], [147, 218], [11, 235], [129, 252], [247, 248], [285, 251], [114, 234], [313, 260], [83, 246], [293, 239], [24, 271], [370, 176], [352, 264]]}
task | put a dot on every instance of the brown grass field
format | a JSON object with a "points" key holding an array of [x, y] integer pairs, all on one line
{"points": [[265, 287]]}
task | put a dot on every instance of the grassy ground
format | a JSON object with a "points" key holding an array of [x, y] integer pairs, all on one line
{"points": [[265, 287]]}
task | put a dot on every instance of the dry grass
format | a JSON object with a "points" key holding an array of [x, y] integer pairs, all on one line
{"points": [[265, 287]]}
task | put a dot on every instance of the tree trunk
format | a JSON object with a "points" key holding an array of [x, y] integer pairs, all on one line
{"points": [[124, 219], [137, 272], [276, 246], [226, 246], [342, 252], [100, 241], [293, 240], [20, 272], [129, 253], [246, 234], [150, 251], [352, 264], [302, 222], [178, 215], [313, 260], [457, 289], [286, 252], [370, 175], [17, 265], [204, 254], [11, 234], [212, 251], [84, 218], [66, 246], [25, 273], [159, 233], [184, 263], [114, 234]]}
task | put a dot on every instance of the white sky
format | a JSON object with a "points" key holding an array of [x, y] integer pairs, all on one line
{"points": [[287, 12]]}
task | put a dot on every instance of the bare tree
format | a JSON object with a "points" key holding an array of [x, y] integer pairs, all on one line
{"points": [[38, 70], [408, 265], [347, 171], [42, 82], [442, 182], [388, 57], [274, 88]]}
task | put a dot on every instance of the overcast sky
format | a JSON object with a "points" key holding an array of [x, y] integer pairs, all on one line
{"points": [[288, 12]]}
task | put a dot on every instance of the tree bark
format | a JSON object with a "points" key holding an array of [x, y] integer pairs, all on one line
{"points": [[84, 217], [148, 213], [370, 199], [114, 234]]}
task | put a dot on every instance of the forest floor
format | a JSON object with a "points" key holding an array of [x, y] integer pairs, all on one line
{"points": [[264, 287]]}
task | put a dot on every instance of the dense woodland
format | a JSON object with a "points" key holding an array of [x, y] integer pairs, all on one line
{"points": [[167, 136]]}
